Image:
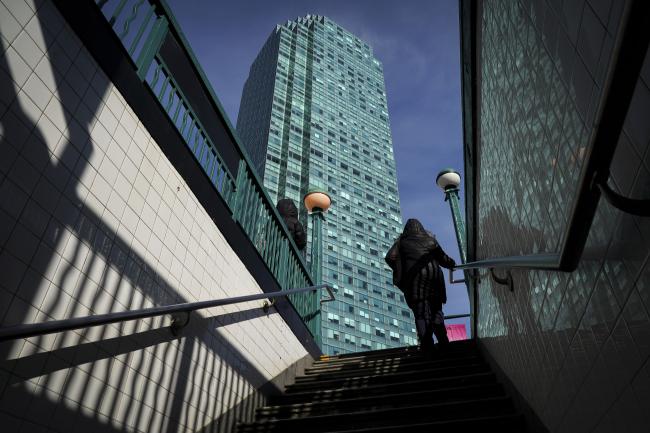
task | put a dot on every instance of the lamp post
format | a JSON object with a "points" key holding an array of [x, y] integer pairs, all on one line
{"points": [[317, 202], [449, 180]]}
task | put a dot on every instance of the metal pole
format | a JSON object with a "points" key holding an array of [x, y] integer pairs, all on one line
{"points": [[451, 195], [317, 245]]}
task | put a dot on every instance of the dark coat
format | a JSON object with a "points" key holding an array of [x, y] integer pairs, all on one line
{"points": [[411, 252], [289, 213]]}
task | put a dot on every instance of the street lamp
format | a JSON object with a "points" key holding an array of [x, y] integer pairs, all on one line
{"points": [[449, 180], [317, 202]]}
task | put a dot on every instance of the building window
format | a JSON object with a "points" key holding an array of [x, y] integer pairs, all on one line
{"points": [[334, 318]]}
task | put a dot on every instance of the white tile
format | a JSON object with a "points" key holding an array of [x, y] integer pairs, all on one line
{"points": [[37, 91], [110, 220], [142, 233], [122, 186], [55, 112], [20, 10], [116, 154], [116, 204], [91, 98], [41, 37], [76, 385], [101, 188], [70, 101], [148, 215], [87, 176], [9, 26], [108, 119], [153, 153], [122, 138], [100, 136], [95, 271], [153, 199], [93, 201], [46, 74], [128, 169], [55, 303], [136, 201], [128, 122], [108, 171], [50, 17], [100, 82], [58, 59], [7, 93], [140, 138], [70, 42], [28, 107], [166, 256], [164, 212], [18, 68], [33, 287], [84, 116], [115, 103], [135, 154], [141, 184], [86, 64], [27, 49], [130, 220], [49, 133], [155, 246]]}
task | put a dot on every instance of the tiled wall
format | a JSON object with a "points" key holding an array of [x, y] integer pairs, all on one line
{"points": [[94, 219], [576, 345]]}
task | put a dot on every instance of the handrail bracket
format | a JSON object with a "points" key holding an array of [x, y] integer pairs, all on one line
{"points": [[330, 294], [179, 321], [506, 281]]}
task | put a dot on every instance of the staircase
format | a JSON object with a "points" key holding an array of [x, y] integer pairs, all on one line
{"points": [[393, 390]]}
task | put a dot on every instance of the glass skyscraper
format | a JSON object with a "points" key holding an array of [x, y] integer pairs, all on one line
{"points": [[314, 114]]}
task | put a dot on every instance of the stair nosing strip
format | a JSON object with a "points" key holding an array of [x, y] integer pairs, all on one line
{"points": [[316, 376], [401, 373], [322, 367], [379, 385], [381, 396]]}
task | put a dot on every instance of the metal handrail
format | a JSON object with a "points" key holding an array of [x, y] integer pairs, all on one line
{"points": [[542, 261], [457, 316], [50, 327]]}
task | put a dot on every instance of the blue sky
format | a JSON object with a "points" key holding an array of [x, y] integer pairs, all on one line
{"points": [[418, 44]]}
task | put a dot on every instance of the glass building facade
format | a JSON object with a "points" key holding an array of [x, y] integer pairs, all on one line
{"points": [[314, 114]]}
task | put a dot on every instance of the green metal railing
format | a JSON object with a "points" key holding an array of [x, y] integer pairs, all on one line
{"points": [[142, 27], [256, 214], [178, 109]]}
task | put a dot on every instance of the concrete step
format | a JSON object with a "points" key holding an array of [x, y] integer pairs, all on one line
{"points": [[376, 379], [454, 349], [391, 366], [389, 417], [438, 383], [384, 400]]}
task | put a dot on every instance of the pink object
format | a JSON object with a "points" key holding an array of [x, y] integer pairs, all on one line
{"points": [[456, 332]]}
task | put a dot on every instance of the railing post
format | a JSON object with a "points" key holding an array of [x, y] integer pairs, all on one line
{"points": [[317, 246], [449, 179], [151, 46], [239, 190], [317, 202]]}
